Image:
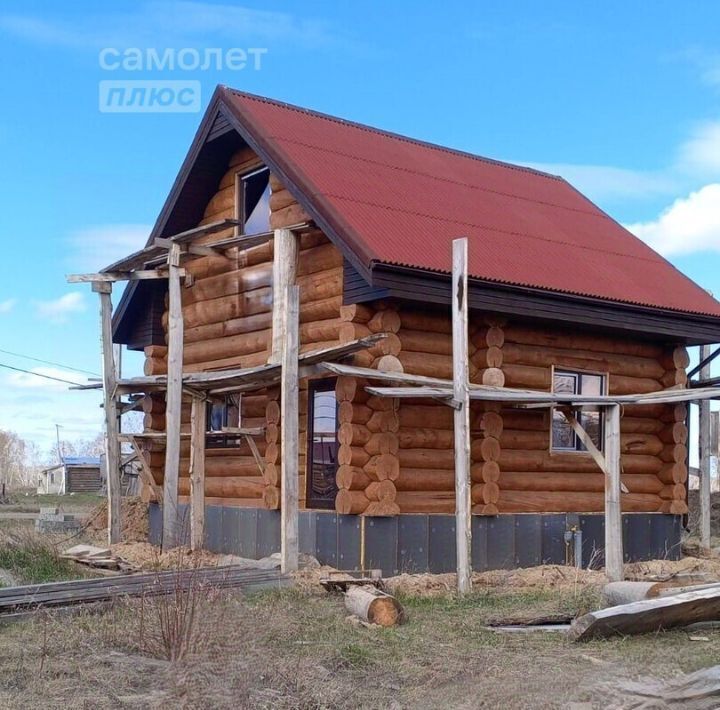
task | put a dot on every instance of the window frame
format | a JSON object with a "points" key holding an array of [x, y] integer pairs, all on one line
{"points": [[325, 384], [579, 446], [240, 178], [217, 439]]}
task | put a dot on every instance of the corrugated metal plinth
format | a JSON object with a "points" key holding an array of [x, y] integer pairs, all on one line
{"points": [[426, 543]]}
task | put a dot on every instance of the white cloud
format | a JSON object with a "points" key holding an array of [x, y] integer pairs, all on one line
{"points": [[60, 309], [95, 247], [7, 305], [690, 224], [605, 182], [701, 152]]}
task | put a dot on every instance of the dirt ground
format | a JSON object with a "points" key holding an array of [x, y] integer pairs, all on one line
{"points": [[296, 649]]}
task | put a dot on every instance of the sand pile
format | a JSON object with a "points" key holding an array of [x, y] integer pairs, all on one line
{"points": [[543, 577], [135, 525], [143, 555]]}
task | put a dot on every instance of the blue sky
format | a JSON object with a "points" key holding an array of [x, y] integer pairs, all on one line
{"points": [[623, 99]]}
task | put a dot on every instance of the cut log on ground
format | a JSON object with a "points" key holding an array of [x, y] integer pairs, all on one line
{"points": [[617, 593], [648, 615], [374, 606]]}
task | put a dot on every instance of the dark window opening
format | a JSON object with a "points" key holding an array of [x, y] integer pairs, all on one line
{"points": [[222, 413], [322, 444], [253, 201], [590, 419]]}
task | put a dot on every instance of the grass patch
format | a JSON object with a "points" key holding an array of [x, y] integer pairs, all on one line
{"points": [[291, 649], [33, 561]]}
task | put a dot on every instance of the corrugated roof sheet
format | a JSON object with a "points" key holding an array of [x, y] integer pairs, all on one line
{"points": [[81, 460], [403, 201]]}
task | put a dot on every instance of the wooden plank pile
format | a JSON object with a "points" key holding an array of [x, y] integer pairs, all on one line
{"points": [[18, 602], [100, 558]]}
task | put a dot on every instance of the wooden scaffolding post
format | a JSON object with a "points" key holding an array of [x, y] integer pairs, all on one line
{"points": [[285, 256], [289, 427], [705, 452], [461, 395], [613, 514], [112, 423], [198, 428], [173, 409]]}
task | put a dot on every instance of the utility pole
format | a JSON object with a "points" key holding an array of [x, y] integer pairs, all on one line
{"points": [[57, 437]]}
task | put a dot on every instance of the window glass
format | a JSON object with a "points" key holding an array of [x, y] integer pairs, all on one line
{"points": [[222, 413], [592, 384], [323, 445], [563, 436], [256, 202]]}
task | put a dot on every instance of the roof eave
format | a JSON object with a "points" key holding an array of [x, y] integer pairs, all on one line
{"points": [[539, 304]]}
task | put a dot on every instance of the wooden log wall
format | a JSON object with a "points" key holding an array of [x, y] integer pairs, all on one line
{"points": [[227, 308], [513, 468]]}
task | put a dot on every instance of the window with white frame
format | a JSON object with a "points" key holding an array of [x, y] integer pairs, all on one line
{"points": [[563, 437]]}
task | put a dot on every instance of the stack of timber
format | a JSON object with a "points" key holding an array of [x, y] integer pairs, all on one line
{"points": [[16, 602], [100, 558]]}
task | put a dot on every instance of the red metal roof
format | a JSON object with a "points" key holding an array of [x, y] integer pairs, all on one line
{"points": [[402, 202]]}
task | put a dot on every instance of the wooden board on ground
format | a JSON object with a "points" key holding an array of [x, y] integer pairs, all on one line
{"points": [[649, 615], [97, 557], [341, 583]]}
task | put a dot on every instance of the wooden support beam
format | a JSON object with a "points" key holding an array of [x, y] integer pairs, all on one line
{"points": [[173, 409], [289, 427], [112, 276], [613, 516], [145, 472], [259, 460], [285, 256], [705, 452], [112, 421], [461, 415], [191, 249], [244, 431], [198, 428], [589, 445]]}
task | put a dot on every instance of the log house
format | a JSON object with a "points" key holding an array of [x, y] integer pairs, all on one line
{"points": [[561, 299]]}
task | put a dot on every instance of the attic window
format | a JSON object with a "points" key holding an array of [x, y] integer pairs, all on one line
{"points": [[253, 201]]}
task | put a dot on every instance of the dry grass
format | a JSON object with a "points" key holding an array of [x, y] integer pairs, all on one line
{"points": [[293, 649]]}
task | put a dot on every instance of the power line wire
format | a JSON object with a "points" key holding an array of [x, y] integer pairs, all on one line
{"points": [[37, 374], [49, 362]]}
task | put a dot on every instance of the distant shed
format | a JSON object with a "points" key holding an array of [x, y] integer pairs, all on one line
{"points": [[76, 474]]}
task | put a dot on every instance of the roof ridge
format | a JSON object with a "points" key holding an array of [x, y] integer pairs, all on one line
{"points": [[392, 134]]}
